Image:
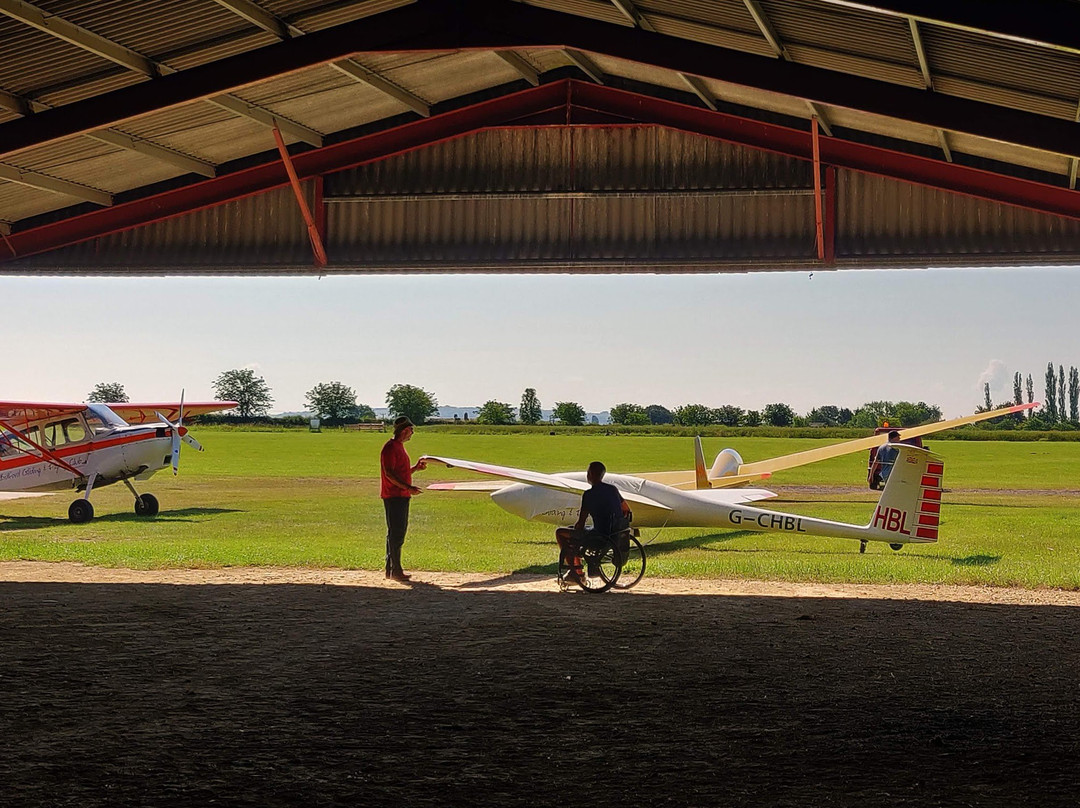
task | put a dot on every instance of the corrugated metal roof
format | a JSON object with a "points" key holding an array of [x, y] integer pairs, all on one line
{"points": [[187, 33], [974, 63], [33, 60], [20, 202]]}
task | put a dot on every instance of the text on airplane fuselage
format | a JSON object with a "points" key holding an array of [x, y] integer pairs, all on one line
{"points": [[893, 520], [768, 521]]}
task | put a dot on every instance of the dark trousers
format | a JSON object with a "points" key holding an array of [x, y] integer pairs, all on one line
{"points": [[397, 523]]}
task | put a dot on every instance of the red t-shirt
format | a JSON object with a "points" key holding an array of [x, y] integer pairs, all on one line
{"points": [[394, 458]]}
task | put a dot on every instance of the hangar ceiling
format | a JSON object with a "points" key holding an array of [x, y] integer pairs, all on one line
{"points": [[552, 135]]}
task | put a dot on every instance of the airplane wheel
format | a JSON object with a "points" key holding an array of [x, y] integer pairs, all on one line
{"points": [[897, 547], [80, 511], [146, 505]]}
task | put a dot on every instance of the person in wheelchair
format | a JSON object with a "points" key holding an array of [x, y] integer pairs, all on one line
{"points": [[610, 515]]}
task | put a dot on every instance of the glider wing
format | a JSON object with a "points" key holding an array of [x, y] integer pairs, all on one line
{"points": [[552, 481], [864, 444]]}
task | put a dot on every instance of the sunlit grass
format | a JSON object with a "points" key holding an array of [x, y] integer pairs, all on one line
{"points": [[300, 499]]}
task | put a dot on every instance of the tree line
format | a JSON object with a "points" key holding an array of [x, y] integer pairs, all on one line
{"points": [[1060, 405], [335, 402]]}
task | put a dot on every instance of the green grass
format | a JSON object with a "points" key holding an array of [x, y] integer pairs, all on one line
{"points": [[298, 499]]}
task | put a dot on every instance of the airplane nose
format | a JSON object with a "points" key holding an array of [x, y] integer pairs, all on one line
{"points": [[514, 499]]}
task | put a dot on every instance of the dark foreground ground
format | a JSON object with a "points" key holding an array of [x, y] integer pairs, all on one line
{"points": [[275, 695]]}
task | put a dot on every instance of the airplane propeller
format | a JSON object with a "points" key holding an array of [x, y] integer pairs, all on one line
{"points": [[179, 433]]}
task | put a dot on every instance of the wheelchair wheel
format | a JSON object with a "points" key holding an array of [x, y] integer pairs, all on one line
{"points": [[633, 568], [601, 566]]}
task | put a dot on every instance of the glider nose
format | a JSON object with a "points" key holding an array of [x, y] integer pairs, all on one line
{"points": [[515, 499]]}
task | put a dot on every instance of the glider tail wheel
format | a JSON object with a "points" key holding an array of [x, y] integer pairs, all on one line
{"points": [[146, 505], [896, 546], [80, 511]]}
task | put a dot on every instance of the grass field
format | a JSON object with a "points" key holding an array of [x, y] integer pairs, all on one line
{"points": [[1011, 514]]}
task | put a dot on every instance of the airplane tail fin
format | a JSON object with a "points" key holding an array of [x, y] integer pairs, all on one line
{"points": [[701, 477], [909, 509]]}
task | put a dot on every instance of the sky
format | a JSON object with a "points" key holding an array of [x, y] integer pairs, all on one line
{"points": [[834, 337]]}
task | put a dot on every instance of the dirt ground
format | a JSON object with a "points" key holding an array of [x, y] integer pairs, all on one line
{"points": [[249, 687]]}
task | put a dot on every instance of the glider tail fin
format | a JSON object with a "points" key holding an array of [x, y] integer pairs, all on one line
{"points": [[701, 477], [910, 506]]}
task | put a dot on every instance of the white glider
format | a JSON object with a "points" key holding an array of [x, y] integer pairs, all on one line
{"points": [[908, 510]]}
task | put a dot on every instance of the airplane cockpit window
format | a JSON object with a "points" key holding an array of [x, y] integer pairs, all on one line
{"points": [[59, 433], [101, 419], [12, 444]]}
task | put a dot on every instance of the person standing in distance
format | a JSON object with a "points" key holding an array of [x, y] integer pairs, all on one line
{"points": [[397, 489]]}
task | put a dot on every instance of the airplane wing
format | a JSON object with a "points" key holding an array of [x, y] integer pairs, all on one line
{"points": [[489, 486], [551, 481], [20, 413], [145, 413], [864, 444], [734, 496], [687, 480]]}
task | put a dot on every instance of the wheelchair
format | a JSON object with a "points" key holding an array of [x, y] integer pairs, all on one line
{"points": [[608, 560]]}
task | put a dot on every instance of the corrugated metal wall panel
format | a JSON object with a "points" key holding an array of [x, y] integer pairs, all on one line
{"points": [[628, 228], [573, 159], [262, 230], [880, 217]]}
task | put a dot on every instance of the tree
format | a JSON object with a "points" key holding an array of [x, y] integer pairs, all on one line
{"points": [[752, 418], [1061, 393], [986, 397], [495, 413], [829, 415], [364, 413], [728, 415], [415, 403], [694, 415], [1030, 390], [108, 392], [659, 414], [1018, 393], [778, 415], [332, 401], [529, 413], [1074, 395], [1051, 411], [250, 392], [629, 415], [569, 413]]}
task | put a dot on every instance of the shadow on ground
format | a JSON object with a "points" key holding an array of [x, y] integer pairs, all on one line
{"points": [[172, 515], [283, 695]]}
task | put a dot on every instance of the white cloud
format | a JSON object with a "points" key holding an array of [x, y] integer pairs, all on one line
{"points": [[994, 374]]}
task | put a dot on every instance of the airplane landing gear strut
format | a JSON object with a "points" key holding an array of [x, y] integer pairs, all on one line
{"points": [[145, 504]]}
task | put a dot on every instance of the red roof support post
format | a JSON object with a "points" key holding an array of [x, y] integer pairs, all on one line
{"points": [[313, 230], [818, 229], [830, 215]]}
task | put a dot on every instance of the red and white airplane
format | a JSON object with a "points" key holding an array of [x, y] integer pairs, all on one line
{"points": [[54, 447]]}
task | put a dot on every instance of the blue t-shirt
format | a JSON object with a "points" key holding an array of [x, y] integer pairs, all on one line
{"points": [[603, 502]]}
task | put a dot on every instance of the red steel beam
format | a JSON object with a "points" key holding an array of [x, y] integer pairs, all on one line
{"points": [[336, 157], [313, 231], [818, 229], [830, 215], [926, 171]]}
